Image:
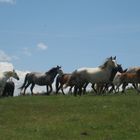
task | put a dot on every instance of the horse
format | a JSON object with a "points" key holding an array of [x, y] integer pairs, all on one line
{"points": [[41, 79], [61, 80], [133, 70], [101, 88], [117, 81], [119, 69], [4, 76], [126, 78], [8, 89], [100, 74]]}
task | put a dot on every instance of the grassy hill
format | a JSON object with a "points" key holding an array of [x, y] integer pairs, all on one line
{"points": [[111, 117]]}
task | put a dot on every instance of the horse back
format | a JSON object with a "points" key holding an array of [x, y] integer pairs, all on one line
{"points": [[133, 69], [130, 77], [63, 78]]}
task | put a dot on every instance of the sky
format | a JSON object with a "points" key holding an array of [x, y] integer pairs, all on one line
{"points": [[36, 35]]}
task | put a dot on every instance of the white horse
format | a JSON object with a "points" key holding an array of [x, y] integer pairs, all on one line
{"points": [[4, 76], [98, 75], [117, 81]]}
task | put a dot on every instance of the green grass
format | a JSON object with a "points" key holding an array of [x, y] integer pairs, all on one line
{"points": [[111, 117]]}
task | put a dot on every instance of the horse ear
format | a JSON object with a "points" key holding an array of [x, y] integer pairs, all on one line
{"points": [[125, 70], [110, 58], [114, 58], [58, 67]]}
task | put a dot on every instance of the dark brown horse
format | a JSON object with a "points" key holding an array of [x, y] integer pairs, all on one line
{"points": [[8, 89], [61, 80], [133, 78]]}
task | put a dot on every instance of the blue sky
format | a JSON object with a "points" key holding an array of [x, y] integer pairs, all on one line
{"points": [[36, 35]]}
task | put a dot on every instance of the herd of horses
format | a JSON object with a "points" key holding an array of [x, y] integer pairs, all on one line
{"points": [[106, 78]]}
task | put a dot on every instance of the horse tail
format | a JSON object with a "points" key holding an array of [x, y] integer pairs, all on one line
{"points": [[25, 81]]}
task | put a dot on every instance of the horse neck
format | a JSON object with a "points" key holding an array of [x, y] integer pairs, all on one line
{"points": [[109, 68], [61, 74], [53, 75], [113, 73]]}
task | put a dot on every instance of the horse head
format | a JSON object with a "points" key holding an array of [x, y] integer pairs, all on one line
{"points": [[119, 68], [54, 71], [110, 63], [13, 74], [59, 70]]}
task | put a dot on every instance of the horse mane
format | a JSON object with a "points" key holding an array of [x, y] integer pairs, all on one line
{"points": [[104, 65], [8, 73], [51, 70]]}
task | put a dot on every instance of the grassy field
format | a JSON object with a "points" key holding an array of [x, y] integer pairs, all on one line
{"points": [[111, 117]]}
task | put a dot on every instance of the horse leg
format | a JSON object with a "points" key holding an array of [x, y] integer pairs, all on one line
{"points": [[123, 87], [70, 90], [61, 87], [80, 91], [48, 92], [75, 91], [32, 86], [104, 88], [51, 88], [47, 89], [26, 88], [112, 88], [136, 87], [94, 88], [58, 88], [118, 84], [84, 88], [99, 89], [62, 90]]}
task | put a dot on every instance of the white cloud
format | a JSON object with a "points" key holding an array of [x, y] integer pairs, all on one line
{"points": [[4, 57], [6, 66], [8, 1], [42, 46]]}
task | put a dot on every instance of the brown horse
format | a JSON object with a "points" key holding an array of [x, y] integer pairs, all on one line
{"points": [[61, 80], [133, 78]]}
